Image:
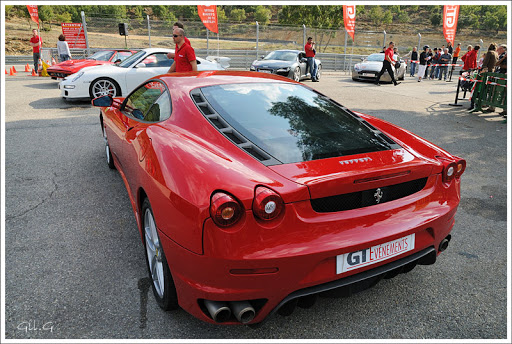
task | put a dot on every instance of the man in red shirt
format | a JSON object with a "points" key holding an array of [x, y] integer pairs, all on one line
{"points": [[184, 56], [177, 25], [310, 56], [36, 43], [386, 65]]}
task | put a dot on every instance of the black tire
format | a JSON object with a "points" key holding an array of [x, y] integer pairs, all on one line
{"points": [[319, 72], [158, 269], [104, 86], [108, 153], [296, 74]]}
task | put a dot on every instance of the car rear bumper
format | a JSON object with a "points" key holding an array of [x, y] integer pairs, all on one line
{"points": [[299, 253]]}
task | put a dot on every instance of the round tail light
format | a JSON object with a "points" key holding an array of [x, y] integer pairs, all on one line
{"points": [[449, 171], [267, 204], [225, 210]]}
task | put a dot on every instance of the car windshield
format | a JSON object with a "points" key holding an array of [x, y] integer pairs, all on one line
{"points": [[293, 123], [378, 57], [101, 55], [130, 60], [281, 55]]}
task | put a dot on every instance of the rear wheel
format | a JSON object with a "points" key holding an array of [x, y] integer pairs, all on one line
{"points": [[318, 72], [296, 74], [159, 272]]}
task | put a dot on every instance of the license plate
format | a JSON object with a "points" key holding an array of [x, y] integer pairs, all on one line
{"points": [[367, 74], [265, 71], [358, 259]]}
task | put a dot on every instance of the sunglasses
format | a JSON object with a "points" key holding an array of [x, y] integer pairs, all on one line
{"points": [[175, 35]]}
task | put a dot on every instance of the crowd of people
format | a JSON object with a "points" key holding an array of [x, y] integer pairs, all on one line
{"points": [[439, 63]]}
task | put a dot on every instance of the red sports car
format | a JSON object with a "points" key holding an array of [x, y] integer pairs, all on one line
{"points": [[254, 193], [63, 69]]}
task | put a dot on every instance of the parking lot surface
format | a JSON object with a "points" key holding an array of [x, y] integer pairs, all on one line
{"points": [[74, 262]]}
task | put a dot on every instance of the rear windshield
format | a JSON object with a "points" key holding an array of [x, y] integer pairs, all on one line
{"points": [[293, 123]]}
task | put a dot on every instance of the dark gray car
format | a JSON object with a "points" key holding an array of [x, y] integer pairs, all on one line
{"points": [[288, 63]]}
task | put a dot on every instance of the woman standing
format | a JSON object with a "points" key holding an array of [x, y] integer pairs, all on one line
{"points": [[63, 49]]}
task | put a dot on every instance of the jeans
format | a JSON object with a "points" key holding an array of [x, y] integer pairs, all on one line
{"points": [[36, 57], [312, 67], [413, 68], [63, 57], [443, 70]]}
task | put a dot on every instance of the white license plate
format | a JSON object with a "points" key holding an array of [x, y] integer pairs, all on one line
{"points": [[367, 74], [358, 259], [265, 71]]}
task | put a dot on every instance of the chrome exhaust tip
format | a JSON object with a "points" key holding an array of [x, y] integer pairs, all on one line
{"points": [[219, 310], [243, 311], [444, 243]]}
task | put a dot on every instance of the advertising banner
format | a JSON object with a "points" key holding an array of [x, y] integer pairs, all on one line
{"points": [[34, 15], [208, 15], [349, 19], [75, 35], [450, 17]]}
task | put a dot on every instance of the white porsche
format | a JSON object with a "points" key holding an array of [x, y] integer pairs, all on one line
{"points": [[119, 80]]}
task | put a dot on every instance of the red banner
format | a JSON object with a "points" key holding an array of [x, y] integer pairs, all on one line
{"points": [[208, 15], [75, 35], [349, 19], [34, 15], [450, 17]]}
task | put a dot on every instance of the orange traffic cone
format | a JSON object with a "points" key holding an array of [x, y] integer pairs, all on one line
{"points": [[27, 68], [14, 69], [12, 72], [6, 72], [33, 72], [53, 61]]}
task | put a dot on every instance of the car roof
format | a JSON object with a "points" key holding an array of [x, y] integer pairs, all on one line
{"points": [[294, 51], [154, 50]]}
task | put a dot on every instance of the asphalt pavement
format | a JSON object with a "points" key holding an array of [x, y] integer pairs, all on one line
{"points": [[74, 262]]}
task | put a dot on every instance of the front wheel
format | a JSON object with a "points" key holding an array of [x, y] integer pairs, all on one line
{"points": [[159, 272], [110, 160], [103, 87]]}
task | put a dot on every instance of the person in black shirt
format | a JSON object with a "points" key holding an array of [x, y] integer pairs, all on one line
{"points": [[414, 60], [423, 62]]}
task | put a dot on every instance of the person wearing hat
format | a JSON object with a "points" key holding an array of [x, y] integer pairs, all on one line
{"points": [[423, 62]]}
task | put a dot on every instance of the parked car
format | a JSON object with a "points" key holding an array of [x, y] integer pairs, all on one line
{"points": [[102, 57], [120, 79], [371, 65], [289, 63], [253, 193]]}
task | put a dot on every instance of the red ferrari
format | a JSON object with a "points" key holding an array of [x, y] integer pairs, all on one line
{"points": [[254, 193], [63, 69]]}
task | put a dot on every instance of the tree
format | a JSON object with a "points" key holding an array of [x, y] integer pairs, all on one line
{"points": [[436, 18], [221, 15], [262, 15], [238, 15], [376, 15], [387, 18]]}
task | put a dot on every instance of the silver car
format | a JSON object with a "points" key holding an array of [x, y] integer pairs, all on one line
{"points": [[288, 63], [371, 65]]}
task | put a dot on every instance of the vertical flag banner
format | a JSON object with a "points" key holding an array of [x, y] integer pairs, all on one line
{"points": [[349, 19], [34, 15], [450, 17], [208, 15]]}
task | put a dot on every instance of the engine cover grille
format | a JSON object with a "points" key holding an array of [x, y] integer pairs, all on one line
{"points": [[367, 198]]}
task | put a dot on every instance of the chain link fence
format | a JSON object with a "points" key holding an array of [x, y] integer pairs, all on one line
{"points": [[245, 42]]}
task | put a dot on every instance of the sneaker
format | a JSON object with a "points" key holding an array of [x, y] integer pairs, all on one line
{"points": [[397, 83], [419, 80]]}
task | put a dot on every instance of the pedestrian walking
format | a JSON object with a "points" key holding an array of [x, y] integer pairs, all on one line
{"points": [[423, 62], [414, 60], [387, 65], [179, 25]]}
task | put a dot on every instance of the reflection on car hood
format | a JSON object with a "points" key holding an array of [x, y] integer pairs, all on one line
{"points": [[78, 64], [372, 66], [272, 64]]}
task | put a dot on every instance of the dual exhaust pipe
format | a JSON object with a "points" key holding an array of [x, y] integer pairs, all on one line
{"points": [[221, 311]]}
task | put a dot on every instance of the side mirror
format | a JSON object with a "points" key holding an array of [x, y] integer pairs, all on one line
{"points": [[303, 59], [137, 114], [362, 58], [103, 101], [262, 57], [117, 61], [140, 65]]}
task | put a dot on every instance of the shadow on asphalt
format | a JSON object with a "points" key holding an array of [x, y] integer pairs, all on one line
{"points": [[46, 86], [59, 103]]}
